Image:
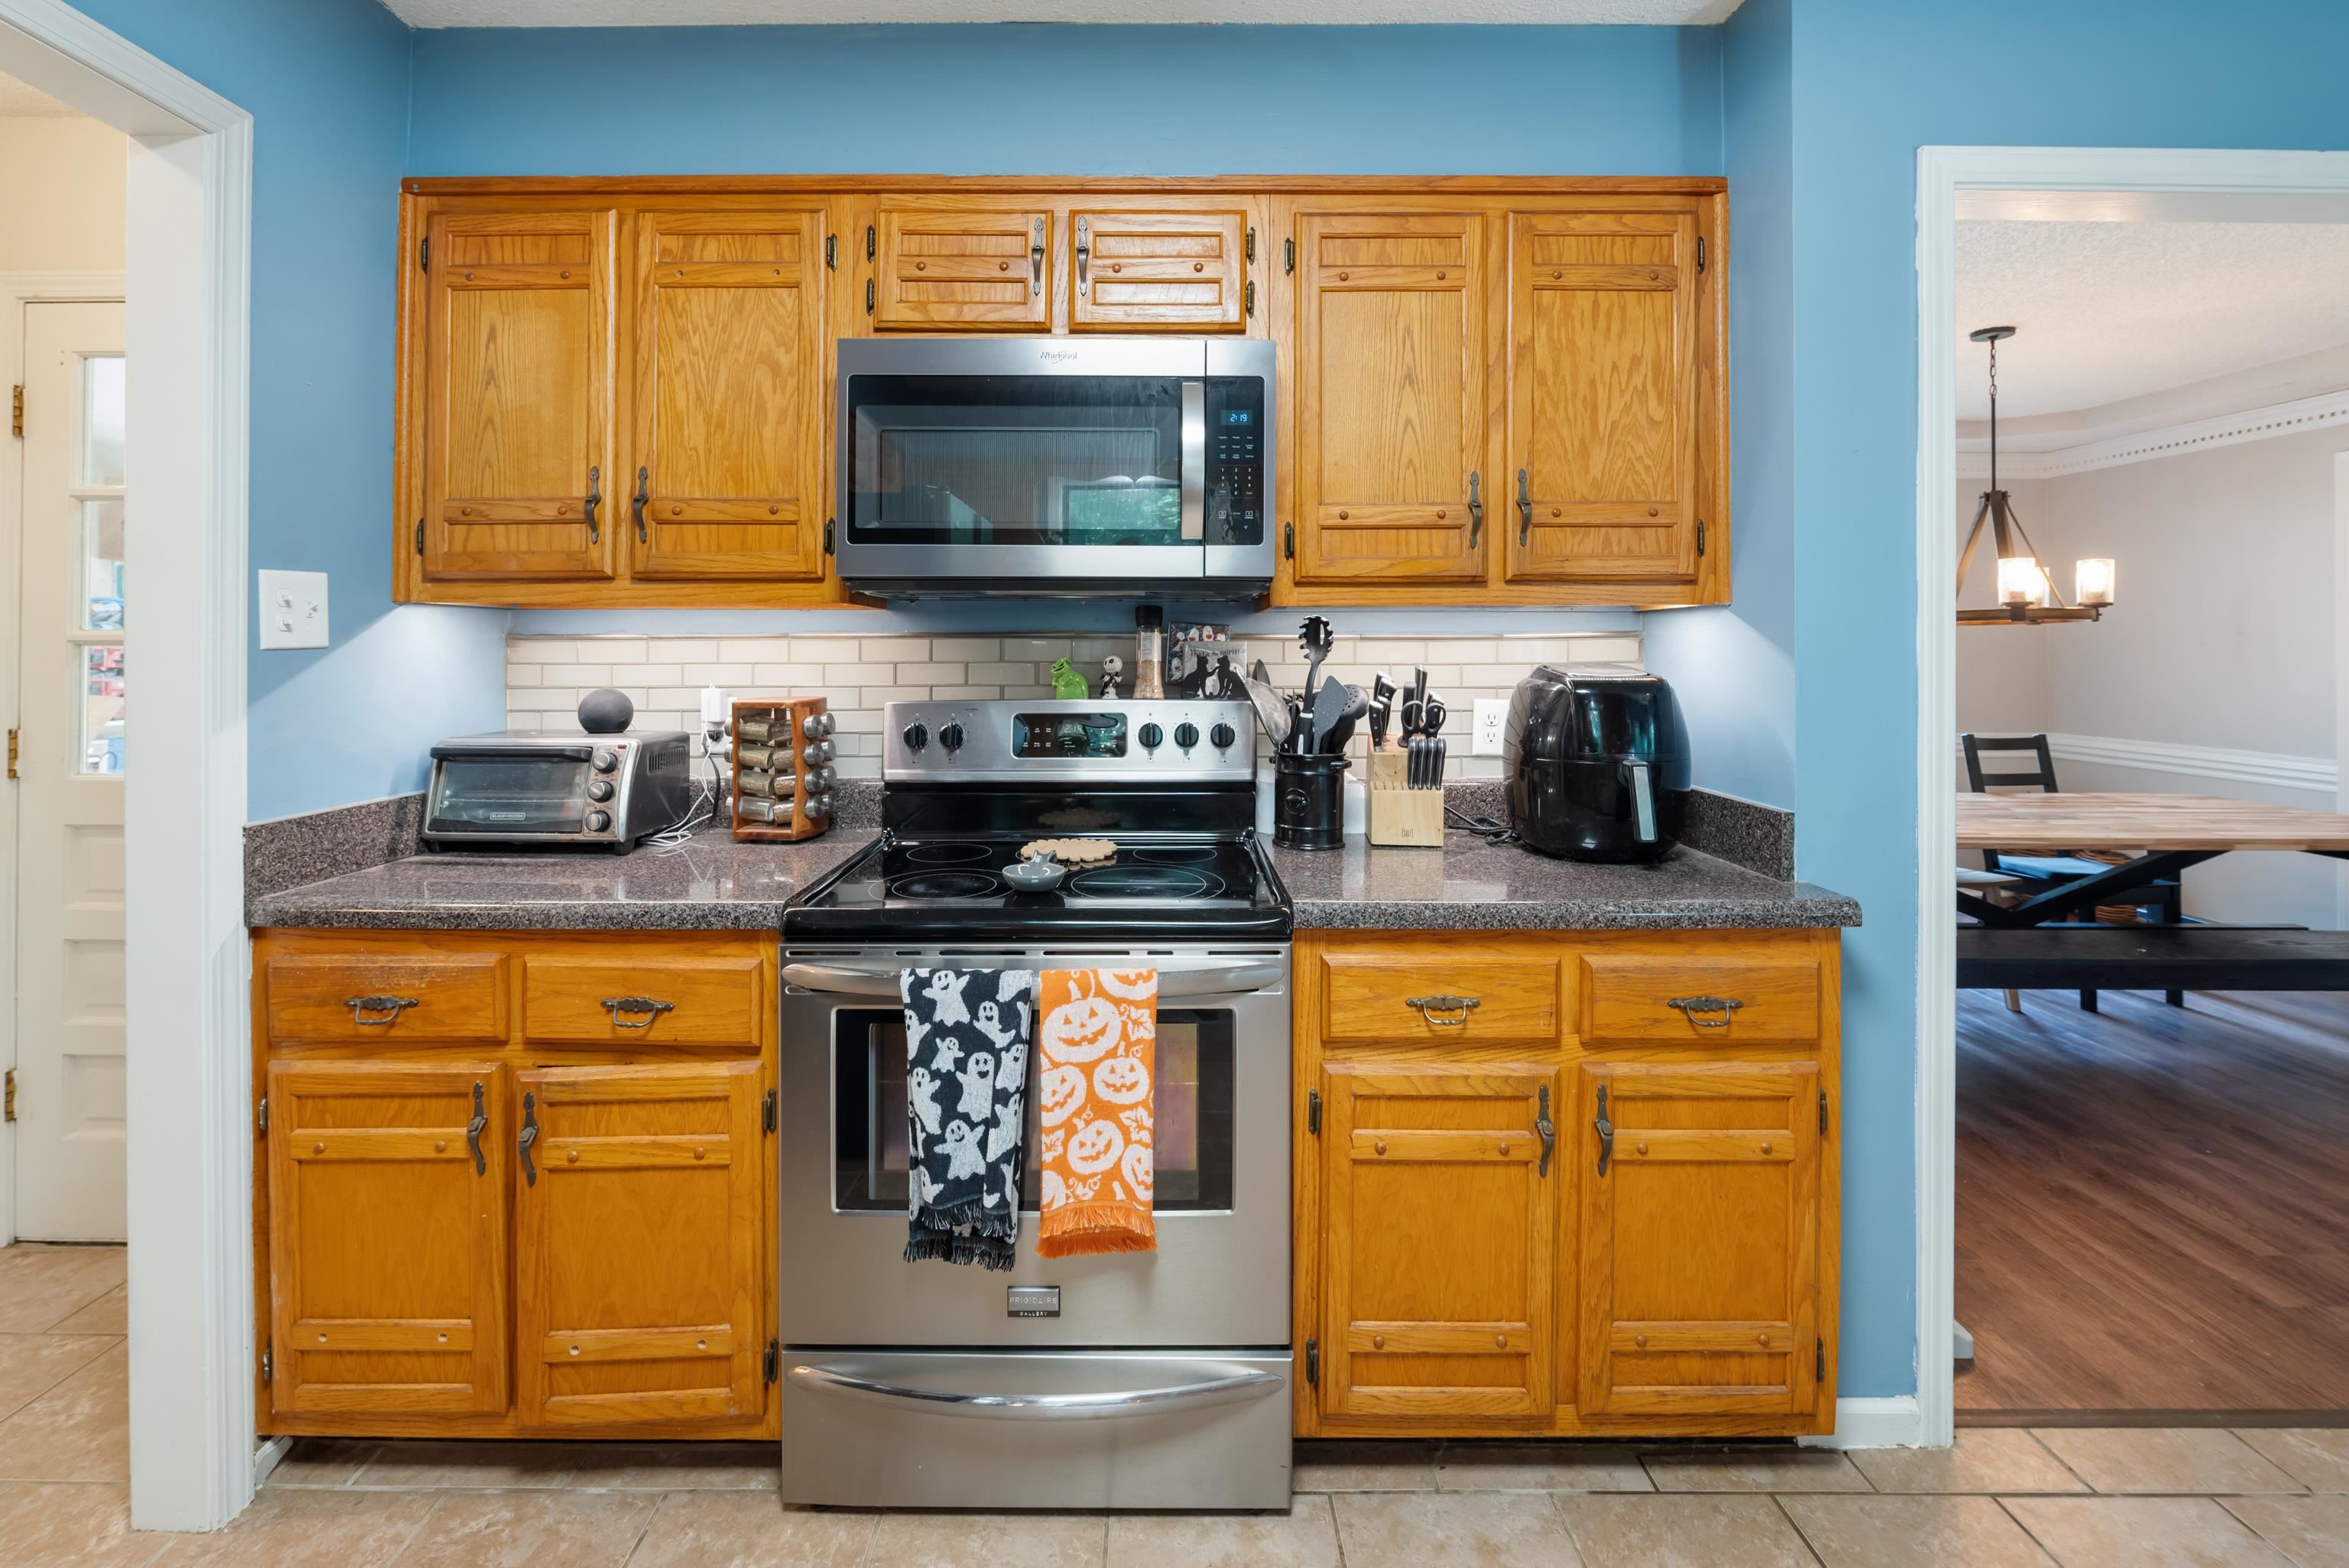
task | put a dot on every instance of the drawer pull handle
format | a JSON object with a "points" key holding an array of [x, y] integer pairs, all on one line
{"points": [[473, 1131], [1692, 1006], [1606, 1130], [647, 1006], [379, 1012], [1429, 1007]]}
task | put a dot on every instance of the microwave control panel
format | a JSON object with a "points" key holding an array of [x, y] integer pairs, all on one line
{"points": [[1237, 482]]}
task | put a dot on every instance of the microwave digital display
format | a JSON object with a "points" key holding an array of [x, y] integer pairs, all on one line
{"points": [[1239, 415]]}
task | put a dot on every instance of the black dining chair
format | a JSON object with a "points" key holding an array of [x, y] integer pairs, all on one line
{"points": [[2036, 874]]}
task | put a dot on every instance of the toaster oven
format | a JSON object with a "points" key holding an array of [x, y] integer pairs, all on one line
{"points": [[521, 787]]}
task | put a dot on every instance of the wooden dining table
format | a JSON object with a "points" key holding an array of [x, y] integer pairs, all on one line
{"points": [[2162, 834]]}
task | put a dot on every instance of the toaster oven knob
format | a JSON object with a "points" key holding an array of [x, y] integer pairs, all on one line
{"points": [[950, 736], [1223, 735], [598, 822], [1152, 737], [917, 735], [600, 790], [1187, 735], [607, 760]]}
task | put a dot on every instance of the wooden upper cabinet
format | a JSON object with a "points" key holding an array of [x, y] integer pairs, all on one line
{"points": [[1392, 370], [982, 267], [642, 1253], [1701, 1245], [729, 419], [1604, 400], [1140, 271], [1441, 1223], [387, 1186], [518, 391]]}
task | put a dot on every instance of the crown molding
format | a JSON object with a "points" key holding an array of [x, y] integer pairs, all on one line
{"points": [[2260, 424]]}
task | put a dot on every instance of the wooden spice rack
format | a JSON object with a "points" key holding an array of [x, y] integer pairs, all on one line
{"points": [[795, 751]]}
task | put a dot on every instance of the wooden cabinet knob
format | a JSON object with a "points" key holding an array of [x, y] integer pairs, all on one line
{"points": [[1500, 1342], [700, 1152], [1378, 1342], [317, 1149], [439, 1146], [1439, 514], [1640, 1340], [1341, 276], [921, 267], [1651, 512], [464, 511], [1003, 266], [1765, 1149], [567, 272], [1762, 1340], [1441, 276], [1198, 267], [1117, 266], [1381, 1145], [571, 1157], [771, 510], [676, 511], [1342, 516], [1555, 274], [1553, 512], [469, 277], [1640, 1147], [1505, 1149]]}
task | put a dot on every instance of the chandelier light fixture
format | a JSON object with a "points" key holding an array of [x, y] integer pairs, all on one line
{"points": [[2027, 595]]}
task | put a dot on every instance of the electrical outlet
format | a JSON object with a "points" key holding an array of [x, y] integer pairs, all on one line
{"points": [[293, 609], [1492, 717]]}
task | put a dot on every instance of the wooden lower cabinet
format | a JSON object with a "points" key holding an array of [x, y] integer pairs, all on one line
{"points": [[500, 1228], [1585, 1220]]}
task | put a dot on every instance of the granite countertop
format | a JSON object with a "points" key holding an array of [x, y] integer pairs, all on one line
{"points": [[1469, 884], [714, 883]]}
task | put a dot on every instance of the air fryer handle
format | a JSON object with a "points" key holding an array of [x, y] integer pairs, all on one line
{"points": [[1643, 802]]}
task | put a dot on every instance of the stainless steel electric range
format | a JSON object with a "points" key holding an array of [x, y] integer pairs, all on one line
{"points": [[1155, 1381]]}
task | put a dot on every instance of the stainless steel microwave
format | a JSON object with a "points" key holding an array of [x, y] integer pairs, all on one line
{"points": [[1119, 467]]}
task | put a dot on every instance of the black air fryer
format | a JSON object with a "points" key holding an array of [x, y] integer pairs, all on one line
{"points": [[1597, 762]]}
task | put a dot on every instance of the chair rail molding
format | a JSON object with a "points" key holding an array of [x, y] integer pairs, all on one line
{"points": [[2277, 770], [2262, 423]]}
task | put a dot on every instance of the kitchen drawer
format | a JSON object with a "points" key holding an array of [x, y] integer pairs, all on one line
{"points": [[643, 1001], [1374, 998], [459, 997], [1628, 998]]}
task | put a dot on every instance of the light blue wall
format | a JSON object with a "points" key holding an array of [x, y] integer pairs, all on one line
{"points": [[1733, 665], [1872, 83], [326, 82]]}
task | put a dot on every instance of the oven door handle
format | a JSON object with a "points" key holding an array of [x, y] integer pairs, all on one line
{"points": [[1106, 1406], [853, 980]]}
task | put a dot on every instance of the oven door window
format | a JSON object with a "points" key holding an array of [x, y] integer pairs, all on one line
{"points": [[1017, 459], [529, 793], [1194, 1106]]}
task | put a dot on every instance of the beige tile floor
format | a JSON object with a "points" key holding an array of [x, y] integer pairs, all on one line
{"points": [[2000, 1499]]}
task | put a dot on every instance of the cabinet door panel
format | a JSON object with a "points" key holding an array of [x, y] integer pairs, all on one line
{"points": [[641, 1262], [387, 1238], [964, 267], [730, 350], [1139, 271], [1390, 380], [518, 389], [1602, 395], [1442, 1227], [1700, 1239]]}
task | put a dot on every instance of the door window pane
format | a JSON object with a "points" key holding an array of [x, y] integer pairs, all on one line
{"points": [[101, 565], [101, 706], [102, 420]]}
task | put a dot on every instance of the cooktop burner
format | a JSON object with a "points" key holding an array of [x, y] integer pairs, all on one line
{"points": [[1144, 882], [944, 884], [947, 855]]}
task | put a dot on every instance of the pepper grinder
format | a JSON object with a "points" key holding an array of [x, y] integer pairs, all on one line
{"points": [[1149, 651]]}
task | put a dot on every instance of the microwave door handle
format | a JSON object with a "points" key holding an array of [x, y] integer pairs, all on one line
{"points": [[1194, 462], [855, 980], [1643, 803]]}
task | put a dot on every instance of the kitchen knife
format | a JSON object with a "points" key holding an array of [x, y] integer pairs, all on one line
{"points": [[1382, 693], [1329, 706]]}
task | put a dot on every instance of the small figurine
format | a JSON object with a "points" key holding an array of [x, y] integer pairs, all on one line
{"points": [[1067, 685], [1112, 670]]}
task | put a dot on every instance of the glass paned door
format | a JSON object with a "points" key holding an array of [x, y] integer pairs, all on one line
{"points": [[97, 503]]}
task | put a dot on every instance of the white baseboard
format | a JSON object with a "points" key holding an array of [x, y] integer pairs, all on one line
{"points": [[1889, 1423]]}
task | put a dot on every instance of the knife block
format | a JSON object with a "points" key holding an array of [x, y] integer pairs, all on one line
{"points": [[779, 726], [1403, 818]]}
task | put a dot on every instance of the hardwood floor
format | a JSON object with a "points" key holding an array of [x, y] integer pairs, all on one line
{"points": [[2153, 1206]]}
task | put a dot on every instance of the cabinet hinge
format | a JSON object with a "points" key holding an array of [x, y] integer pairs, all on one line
{"points": [[260, 1116], [1823, 1361], [1700, 536], [827, 535], [267, 1369], [832, 252], [1313, 1111], [9, 1096], [16, 411], [1251, 242], [773, 1357], [1823, 1111], [1289, 540], [424, 254], [1289, 255], [767, 1111], [13, 735], [1700, 253], [420, 536], [868, 242], [1251, 296], [868, 296], [1313, 1362]]}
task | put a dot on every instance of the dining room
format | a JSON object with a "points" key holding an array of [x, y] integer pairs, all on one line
{"points": [[2151, 850]]}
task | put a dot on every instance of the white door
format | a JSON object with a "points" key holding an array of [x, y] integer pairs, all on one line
{"points": [[68, 767]]}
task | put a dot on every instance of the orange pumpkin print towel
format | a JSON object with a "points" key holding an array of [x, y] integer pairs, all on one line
{"points": [[1097, 1047]]}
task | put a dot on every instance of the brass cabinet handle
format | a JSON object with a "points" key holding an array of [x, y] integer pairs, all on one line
{"points": [[594, 499], [379, 1012], [1475, 511], [644, 494], [1693, 1005], [649, 1006], [1549, 1130], [1606, 1130], [1525, 512], [1429, 1007], [473, 1131], [529, 1136]]}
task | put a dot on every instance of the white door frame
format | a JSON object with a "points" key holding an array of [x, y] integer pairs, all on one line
{"points": [[189, 1065], [18, 290], [1943, 172]]}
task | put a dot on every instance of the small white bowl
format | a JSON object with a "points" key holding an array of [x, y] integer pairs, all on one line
{"points": [[1035, 876]]}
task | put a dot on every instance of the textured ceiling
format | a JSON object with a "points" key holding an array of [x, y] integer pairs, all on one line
{"points": [[2111, 311], [712, 13], [19, 101]]}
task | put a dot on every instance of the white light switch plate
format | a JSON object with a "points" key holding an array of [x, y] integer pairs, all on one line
{"points": [[293, 609], [1492, 717]]}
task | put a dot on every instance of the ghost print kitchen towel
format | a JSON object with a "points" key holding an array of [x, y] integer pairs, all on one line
{"points": [[966, 1037], [1099, 1037]]}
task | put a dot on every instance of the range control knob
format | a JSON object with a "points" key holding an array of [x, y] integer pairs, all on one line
{"points": [[1223, 735], [917, 735], [607, 760], [1187, 735], [1152, 738], [598, 821], [950, 736], [600, 790]]}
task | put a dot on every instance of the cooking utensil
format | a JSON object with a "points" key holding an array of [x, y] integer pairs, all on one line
{"points": [[1383, 691], [1358, 703], [1294, 736], [1316, 637], [1328, 705], [1269, 712]]}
